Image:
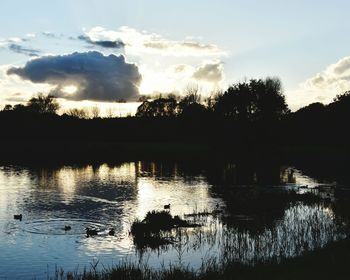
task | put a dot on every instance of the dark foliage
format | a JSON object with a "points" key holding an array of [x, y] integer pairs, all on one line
{"points": [[249, 120], [253, 100], [150, 231]]}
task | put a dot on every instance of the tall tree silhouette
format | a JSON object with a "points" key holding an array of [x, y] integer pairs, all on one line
{"points": [[42, 104], [190, 105], [340, 106], [236, 102], [253, 100], [269, 98]]}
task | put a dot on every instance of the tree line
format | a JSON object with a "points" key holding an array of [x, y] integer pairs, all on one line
{"points": [[253, 100], [250, 116], [245, 101], [248, 101]]}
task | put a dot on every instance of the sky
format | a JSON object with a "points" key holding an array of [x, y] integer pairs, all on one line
{"points": [[94, 53]]}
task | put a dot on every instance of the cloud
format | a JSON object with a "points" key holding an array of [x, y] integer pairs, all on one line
{"points": [[182, 69], [16, 97], [186, 48], [323, 86], [24, 50], [212, 72], [209, 75], [117, 44], [14, 44], [335, 78], [92, 75], [166, 63], [49, 34], [137, 43], [7, 41]]}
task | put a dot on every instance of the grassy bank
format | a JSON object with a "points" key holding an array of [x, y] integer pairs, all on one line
{"points": [[332, 262]]}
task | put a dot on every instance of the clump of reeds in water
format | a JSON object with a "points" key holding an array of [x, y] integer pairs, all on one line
{"points": [[152, 231]]}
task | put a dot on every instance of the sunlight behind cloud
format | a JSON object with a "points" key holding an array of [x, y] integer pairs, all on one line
{"points": [[70, 89], [15, 90]]}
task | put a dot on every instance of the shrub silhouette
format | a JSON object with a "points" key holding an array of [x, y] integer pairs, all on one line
{"points": [[42, 104]]}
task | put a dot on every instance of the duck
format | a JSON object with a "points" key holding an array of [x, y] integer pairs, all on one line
{"points": [[167, 206], [18, 217], [111, 232], [91, 232], [66, 228]]}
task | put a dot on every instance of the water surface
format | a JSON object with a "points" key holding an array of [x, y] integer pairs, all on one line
{"points": [[113, 196]]}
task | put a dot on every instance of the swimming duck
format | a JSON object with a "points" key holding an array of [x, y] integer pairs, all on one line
{"points": [[111, 232], [66, 228], [18, 217], [91, 232]]}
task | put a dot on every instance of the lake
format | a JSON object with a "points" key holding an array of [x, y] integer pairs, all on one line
{"points": [[247, 214]]}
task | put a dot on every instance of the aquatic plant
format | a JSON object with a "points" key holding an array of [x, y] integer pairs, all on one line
{"points": [[151, 232]]}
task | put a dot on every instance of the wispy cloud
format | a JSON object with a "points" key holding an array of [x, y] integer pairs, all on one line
{"points": [[17, 45], [24, 50], [31, 35], [137, 42], [11, 40], [49, 34], [118, 44], [16, 97]]}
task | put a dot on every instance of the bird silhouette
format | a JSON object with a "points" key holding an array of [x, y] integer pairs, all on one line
{"points": [[91, 232], [66, 228], [18, 217], [111, 232], [167, 206]]}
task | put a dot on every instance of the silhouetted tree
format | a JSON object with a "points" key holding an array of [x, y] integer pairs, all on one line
{"points": [[20, 108], [269, 98], [143, 98], [311, 112], [95, 112], [42, 104], [340, 104], [78, 113], [253, 100], [237, 102], [191, 95], [345, 97], [190, 105], [194, 110], [212, 99], [161, 107], [7, 107], [109, 113]]}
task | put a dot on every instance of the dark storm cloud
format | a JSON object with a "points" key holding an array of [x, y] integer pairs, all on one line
{"points": [[97, 77], [23, 50], [105, 43]]}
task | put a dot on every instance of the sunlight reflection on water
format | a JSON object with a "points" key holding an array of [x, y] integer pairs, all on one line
{"points": [[112, 196]]}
